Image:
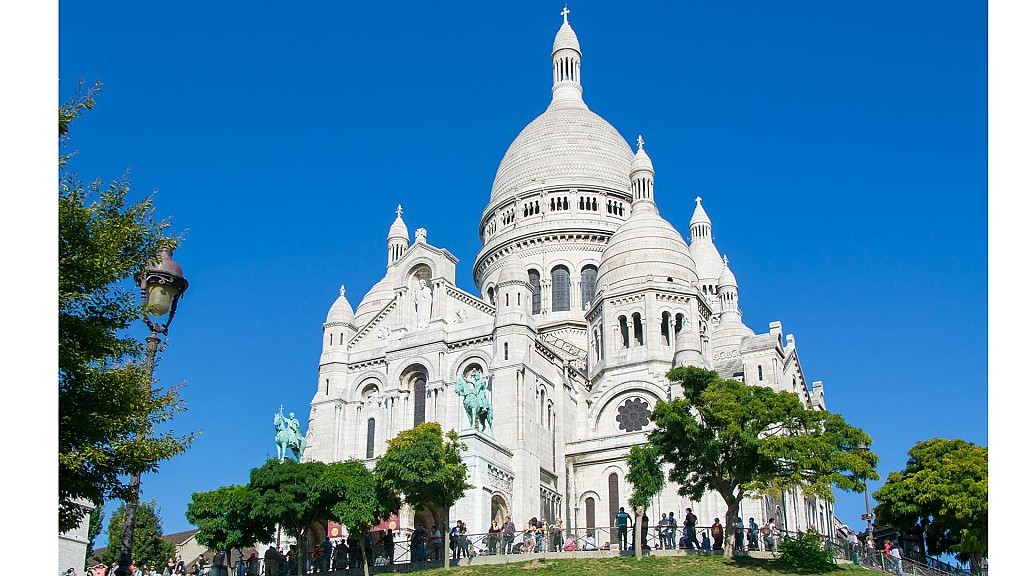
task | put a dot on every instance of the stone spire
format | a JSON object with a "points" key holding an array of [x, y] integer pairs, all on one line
{"points": [[641, 176], [398, 238], [565, 64], [700, 224]]}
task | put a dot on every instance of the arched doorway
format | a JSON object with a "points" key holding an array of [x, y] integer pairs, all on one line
{"points": [[499, 508]]}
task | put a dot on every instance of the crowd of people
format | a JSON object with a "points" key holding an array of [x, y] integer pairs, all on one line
{"points": [[539, 535]]}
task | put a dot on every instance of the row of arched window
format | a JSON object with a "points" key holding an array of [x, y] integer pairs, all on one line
{"points": [[616, 208], [531, 208], [566, 69], [561, 287], [508, 217], [588, 203], [560, 203]]}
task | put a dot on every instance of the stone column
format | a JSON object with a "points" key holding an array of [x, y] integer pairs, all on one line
{"points": [[438, 310]]}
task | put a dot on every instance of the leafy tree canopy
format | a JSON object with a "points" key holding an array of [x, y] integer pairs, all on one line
{"points": [[363, 501], [734, 438], [225, 520], [106, 410], [944, 491], [425, 466], [149, 547]]}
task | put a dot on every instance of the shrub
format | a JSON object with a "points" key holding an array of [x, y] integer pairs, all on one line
{"points": [[806, 553]]}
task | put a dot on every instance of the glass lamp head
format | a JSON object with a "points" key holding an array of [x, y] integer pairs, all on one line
{"points": [[160, 298]]}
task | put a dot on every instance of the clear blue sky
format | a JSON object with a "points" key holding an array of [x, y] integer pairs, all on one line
{"points": [[840, 149]]}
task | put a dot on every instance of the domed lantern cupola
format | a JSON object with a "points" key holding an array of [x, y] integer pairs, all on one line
{"points": [[565, 65], [398, 238], [641, 176]]}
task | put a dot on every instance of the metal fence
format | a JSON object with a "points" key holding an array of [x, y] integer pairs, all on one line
{"points": [[408, 554]]}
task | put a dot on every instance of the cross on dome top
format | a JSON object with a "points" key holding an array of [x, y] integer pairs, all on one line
{"points": [[399, 211], [341, 292], [725, 260], [640, 142], [698, 199], [565, 14]]}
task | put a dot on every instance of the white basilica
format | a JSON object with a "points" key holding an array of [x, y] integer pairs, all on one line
{"points": [[585, 297]]}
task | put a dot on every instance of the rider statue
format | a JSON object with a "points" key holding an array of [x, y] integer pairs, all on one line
{"points": [[288, 435], [474, 399]]}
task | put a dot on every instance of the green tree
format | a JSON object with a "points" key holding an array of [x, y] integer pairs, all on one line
{"points": [[425, 466], [95, 525], [149, 547], [362, 501], [736, 439], [943, 491], [106, 410], [647, 478], [293, 495], [225, 520]]}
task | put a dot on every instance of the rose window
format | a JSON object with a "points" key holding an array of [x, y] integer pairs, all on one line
{"points": [[633, 415]]}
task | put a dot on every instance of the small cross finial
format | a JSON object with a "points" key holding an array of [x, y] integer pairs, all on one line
{"points": [[640, 141], [399, 211], [725, 259], [698, 199], [341, 292], [565, 14]]}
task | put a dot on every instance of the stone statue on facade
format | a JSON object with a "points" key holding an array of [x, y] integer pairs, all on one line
{"points": [[288, 435], [424, 300], [474, 399]]}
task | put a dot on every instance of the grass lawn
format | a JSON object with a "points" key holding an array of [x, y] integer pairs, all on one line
{"points": [[622, 566]]}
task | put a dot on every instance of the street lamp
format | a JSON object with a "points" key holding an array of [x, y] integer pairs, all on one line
{"points": [[161, 286], [867, 507]]}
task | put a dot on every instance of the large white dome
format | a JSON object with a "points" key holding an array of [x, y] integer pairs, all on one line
{"points": [[646, 245], [567, 145]]}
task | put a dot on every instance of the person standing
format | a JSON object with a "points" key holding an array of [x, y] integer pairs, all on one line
{"points": [[663, 531], [672, 524], [436, 542], [739, 530], [622, 521], [752, 534], [508, 535], [540, 533], [493, 536], [389, 546], [690, 529], [556, 535], [717, 535], [896, 556], [645, 525], [270, 561]]}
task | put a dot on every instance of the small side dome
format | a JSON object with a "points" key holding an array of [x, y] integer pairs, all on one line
{"points": [[566, 38], [646, 245], [341, 310], [641, 161], [726, 278], [513, 270], [374, 301], [687, 348], [699, 215], [398, 229]]}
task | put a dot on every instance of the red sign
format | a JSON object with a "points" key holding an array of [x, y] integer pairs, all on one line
{"points": [[333, 530]]}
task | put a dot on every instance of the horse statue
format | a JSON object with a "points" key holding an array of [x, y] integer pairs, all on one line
{"points": [[288, 435], [474, 400]]}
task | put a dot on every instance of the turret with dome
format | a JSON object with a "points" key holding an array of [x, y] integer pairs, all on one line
{"points": [[586, 296]]}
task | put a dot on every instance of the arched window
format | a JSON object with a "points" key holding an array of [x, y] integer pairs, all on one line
{"points": [[560, 289], [613, 497], [588, 283], [535, 283], [638, 329], [665, 329], [760, 374], [590, 506], [543, 397], [506, 350], [419, 388], [680, 320], [371, 428], [624, 331], [490, 295]]}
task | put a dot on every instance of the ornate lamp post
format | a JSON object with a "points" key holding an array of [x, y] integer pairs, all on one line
{"points": [[867, 507], [161, 287]]}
